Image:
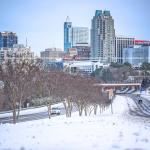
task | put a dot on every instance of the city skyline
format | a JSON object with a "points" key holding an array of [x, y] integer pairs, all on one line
{"points": [[42, 22]]}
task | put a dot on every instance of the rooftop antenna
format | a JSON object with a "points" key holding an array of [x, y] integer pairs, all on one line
{"points": [[26, 42], [68, 19]]}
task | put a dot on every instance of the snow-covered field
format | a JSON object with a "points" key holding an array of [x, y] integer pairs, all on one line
{"points": [[118, 131]]}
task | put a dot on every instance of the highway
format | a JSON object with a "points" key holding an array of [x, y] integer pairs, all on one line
{"points": [[30, 117], [143, 109]]}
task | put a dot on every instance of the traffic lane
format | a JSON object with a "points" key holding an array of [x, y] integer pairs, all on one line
{"points": [[143, 106], [30, 117]]}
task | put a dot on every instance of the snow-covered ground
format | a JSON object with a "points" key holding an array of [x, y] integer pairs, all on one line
{"points": [[118, 131]]}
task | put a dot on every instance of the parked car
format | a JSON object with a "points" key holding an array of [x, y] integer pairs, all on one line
{"points": [[55, 110]]}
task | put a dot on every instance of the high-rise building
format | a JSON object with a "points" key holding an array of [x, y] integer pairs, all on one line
{"points": [[67, 35], [8, 39], [1, 40], [80, 35], [136, 55], [103, 36], [74, 35], [120, 43]]}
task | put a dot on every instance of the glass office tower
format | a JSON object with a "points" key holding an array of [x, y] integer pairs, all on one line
{"points": [[8, 39], [67, 35]]}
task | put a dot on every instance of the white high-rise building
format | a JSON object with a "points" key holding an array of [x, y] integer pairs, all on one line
{"points": [[120, 43], [103, 37]]}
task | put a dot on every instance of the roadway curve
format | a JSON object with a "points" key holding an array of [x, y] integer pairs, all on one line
{"points": [[143, 109]]}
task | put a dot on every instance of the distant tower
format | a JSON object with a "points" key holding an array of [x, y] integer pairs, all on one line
{"points": [[26, 42], [68, 19], [103, 36], [67, 34]]}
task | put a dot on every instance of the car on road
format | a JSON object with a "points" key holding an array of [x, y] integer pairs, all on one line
{"points": [[140, 101], [55, 111]]}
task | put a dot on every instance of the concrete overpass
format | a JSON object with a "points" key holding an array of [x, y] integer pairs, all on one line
{"points": [[117, 85], [112, 87]]}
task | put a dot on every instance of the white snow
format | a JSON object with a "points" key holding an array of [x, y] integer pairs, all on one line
{"points": [[118, 131]]}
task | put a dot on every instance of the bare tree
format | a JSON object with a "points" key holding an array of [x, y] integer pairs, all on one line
{"points": [[25, 81], [16, 78]]}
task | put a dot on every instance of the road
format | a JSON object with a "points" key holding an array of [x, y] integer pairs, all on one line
{"points": [[29, 117], [143, 109]]}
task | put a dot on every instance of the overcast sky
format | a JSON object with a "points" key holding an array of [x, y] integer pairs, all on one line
{"points": [[41, 21]]}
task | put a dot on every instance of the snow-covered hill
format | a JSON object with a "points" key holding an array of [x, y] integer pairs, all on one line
{"points": [[118, 131]]}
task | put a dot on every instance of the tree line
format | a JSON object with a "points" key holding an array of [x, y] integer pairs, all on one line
{"points": [[120, 72], [26, 81]]}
